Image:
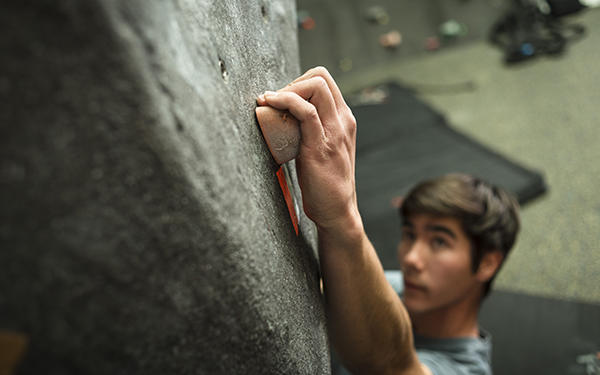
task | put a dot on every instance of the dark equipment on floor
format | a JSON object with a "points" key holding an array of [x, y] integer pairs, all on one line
{"points": [[530, 29]]}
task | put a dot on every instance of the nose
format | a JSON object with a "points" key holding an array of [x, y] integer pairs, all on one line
{"points": [[412, 255]]}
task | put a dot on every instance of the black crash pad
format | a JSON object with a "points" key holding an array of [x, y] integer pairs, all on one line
{"points": [[535, 335], [402, 141]]}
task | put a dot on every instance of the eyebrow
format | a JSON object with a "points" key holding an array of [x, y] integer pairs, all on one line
{"points": [[441, 228], [432, 228]]}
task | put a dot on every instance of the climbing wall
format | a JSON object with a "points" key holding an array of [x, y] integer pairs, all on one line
{"points": [[143, 229]]}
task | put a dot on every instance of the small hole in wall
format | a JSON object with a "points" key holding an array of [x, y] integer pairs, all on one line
{"points": [[224, 72], [177, 116], [264, 14], [178, 124]]}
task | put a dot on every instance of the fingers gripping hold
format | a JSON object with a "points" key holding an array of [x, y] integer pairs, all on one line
{"points": [[316, 91], [322, 72], [315, 100], [327, 150], [305, 112]]}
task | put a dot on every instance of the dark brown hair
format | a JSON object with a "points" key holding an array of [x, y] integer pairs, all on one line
{"points": [[489, 215]]}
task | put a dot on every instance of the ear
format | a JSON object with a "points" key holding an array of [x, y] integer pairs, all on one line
{"points": [[489, 265], [397, 202]]}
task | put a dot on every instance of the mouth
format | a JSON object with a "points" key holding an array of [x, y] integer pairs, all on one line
{"points": [[413, 287]]}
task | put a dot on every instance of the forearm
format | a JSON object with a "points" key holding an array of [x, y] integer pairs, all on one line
{"points": [[369, 327]]}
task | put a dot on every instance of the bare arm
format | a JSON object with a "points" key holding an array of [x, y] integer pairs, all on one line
{"points": [[368, 325]]}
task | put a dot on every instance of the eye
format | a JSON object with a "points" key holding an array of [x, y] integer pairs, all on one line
{"points": [[440, 242], [408, 235]]}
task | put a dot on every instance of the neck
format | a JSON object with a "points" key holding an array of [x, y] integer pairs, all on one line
{"points": [[457, 320]]}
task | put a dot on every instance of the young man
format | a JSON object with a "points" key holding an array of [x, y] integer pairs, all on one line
{"points": [[456, 232], [447, 257]]}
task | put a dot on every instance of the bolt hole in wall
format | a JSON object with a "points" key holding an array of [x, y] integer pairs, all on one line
{"points": [[178, 124], [263, 10], [224, 72]]}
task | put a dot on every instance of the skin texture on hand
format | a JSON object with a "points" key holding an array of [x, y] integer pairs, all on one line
{"points": [[327, 149], [367, 323]]}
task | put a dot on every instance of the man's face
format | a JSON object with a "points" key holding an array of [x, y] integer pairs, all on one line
{"points": [[435, 259]]}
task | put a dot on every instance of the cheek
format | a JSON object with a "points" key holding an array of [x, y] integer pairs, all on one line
{"points": [[448, 272], [400, 251]]}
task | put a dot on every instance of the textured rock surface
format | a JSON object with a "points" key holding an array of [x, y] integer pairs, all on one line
{"points": [[142, 227]]}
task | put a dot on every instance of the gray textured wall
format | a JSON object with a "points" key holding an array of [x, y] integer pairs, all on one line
{"points": [[142, 227]]}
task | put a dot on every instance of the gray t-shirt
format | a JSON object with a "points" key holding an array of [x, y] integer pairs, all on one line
{"points": [[456, 356]]}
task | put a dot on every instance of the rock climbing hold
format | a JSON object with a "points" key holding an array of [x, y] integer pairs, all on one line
{"points": [[305, 20], [377, 14], [391, 40], [281, 131], [432, 43]]}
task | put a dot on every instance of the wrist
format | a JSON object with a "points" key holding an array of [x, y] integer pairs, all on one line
{"points": [[345, 231]]}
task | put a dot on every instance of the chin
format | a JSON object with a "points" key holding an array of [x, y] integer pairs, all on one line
{"points": [[415, 307], [420, 306]]}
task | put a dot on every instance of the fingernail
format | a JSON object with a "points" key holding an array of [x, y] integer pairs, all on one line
{"points": [[270, 94], [261, 97]]}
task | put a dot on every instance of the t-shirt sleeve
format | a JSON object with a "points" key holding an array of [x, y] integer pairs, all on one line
{"points": [[462, 364], [441, 364]]}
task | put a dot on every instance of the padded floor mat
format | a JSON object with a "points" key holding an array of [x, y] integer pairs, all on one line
{"points": [[402, 141], [533, 335]]}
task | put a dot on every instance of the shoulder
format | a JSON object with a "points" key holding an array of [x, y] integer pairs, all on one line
{"points": [[460, 356]]}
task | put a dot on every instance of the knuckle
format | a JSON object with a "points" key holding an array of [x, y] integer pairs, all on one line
{"points": [[321, 71], [311, 113], [283, 96], [350, 121], [320, 82]]}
